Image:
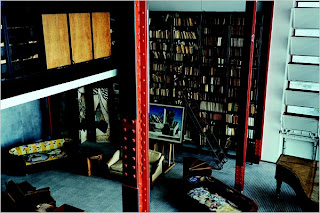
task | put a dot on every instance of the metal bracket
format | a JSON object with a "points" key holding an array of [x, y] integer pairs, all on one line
{"points": [[239, 178]]}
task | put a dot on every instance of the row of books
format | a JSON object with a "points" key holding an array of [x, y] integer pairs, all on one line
{"points": [[177, 34], [236, 42], [233, 92], [187, 83], [214, 21], [237, 21], [232, 119], [236, 61], [188, 22], [212, 51], [235, 72], [252, 95], [212, 41], [209, 61], [230, 131], [219, 61], [211, 80], [212, 88], [250, 133], [186, 70], [159, 46], [160, 92], [237, 30], [157, 78], [252, 109], [210, 71], [234, 82], [211, 106], [233, 107], [250, 121], [237, 52], [161, 55], [182, 48], [192, 95], [158, 67], [183, 57], [212, 30], [212, 97], [211, 116], [163, 34]]}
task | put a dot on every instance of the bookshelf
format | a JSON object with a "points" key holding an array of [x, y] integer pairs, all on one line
{"points": [[160, 34], [253, 128], [205, 57], [214, 42], [235, 59]]}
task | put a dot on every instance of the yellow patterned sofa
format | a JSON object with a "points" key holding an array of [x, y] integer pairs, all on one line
{"points": [[41, 152]]}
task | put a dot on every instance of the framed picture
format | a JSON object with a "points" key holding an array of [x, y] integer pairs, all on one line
{"points": [[166, 123]]}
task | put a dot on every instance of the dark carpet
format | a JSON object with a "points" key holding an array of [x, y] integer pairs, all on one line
{"points": [[98, 194]]}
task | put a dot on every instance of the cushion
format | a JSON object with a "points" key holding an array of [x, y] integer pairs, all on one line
{"points": [[39, 157], [38, 147], [117, 166], [154, 156]]}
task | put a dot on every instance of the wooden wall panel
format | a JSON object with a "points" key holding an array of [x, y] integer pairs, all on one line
{"points": [[101, 34], [56, 39], [80, 31]]}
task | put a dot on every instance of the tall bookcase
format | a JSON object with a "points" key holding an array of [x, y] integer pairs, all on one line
{"points": [[201, 55]]}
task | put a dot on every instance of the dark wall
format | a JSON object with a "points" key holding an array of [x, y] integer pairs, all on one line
{"points": [[21, 123]]}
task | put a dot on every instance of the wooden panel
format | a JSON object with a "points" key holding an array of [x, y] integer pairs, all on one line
{"points": [[81, 43], [56, 39], [101, 34]]}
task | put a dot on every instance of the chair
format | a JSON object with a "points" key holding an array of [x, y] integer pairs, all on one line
{"points": [[156, 160]]}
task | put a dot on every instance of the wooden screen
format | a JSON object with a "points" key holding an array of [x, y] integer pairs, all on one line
{"points": [[101, 34], [56, 39], [81, 42]]}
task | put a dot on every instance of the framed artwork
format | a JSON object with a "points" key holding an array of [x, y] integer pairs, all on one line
{"points": [[166, 123]]}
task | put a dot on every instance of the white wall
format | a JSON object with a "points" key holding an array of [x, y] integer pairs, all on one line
{"points": [[271, 143], [216, 6]]}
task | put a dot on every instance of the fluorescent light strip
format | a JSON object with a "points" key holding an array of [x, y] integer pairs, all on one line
{"points": [[34, 95]]}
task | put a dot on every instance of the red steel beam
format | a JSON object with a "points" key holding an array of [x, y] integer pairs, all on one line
{"points": [[142, 82]]}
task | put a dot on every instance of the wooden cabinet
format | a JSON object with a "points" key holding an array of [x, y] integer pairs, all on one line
{"points": [[56, 39], [90, 37], [101, 35], [80, 34]]}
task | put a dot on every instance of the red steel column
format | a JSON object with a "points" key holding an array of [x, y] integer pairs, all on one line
{"points": [[259, 149], [141, 28], [240, 169]]}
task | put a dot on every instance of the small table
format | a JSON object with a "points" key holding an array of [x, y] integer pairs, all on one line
{"points": [[89, 164], [302, 175]]}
